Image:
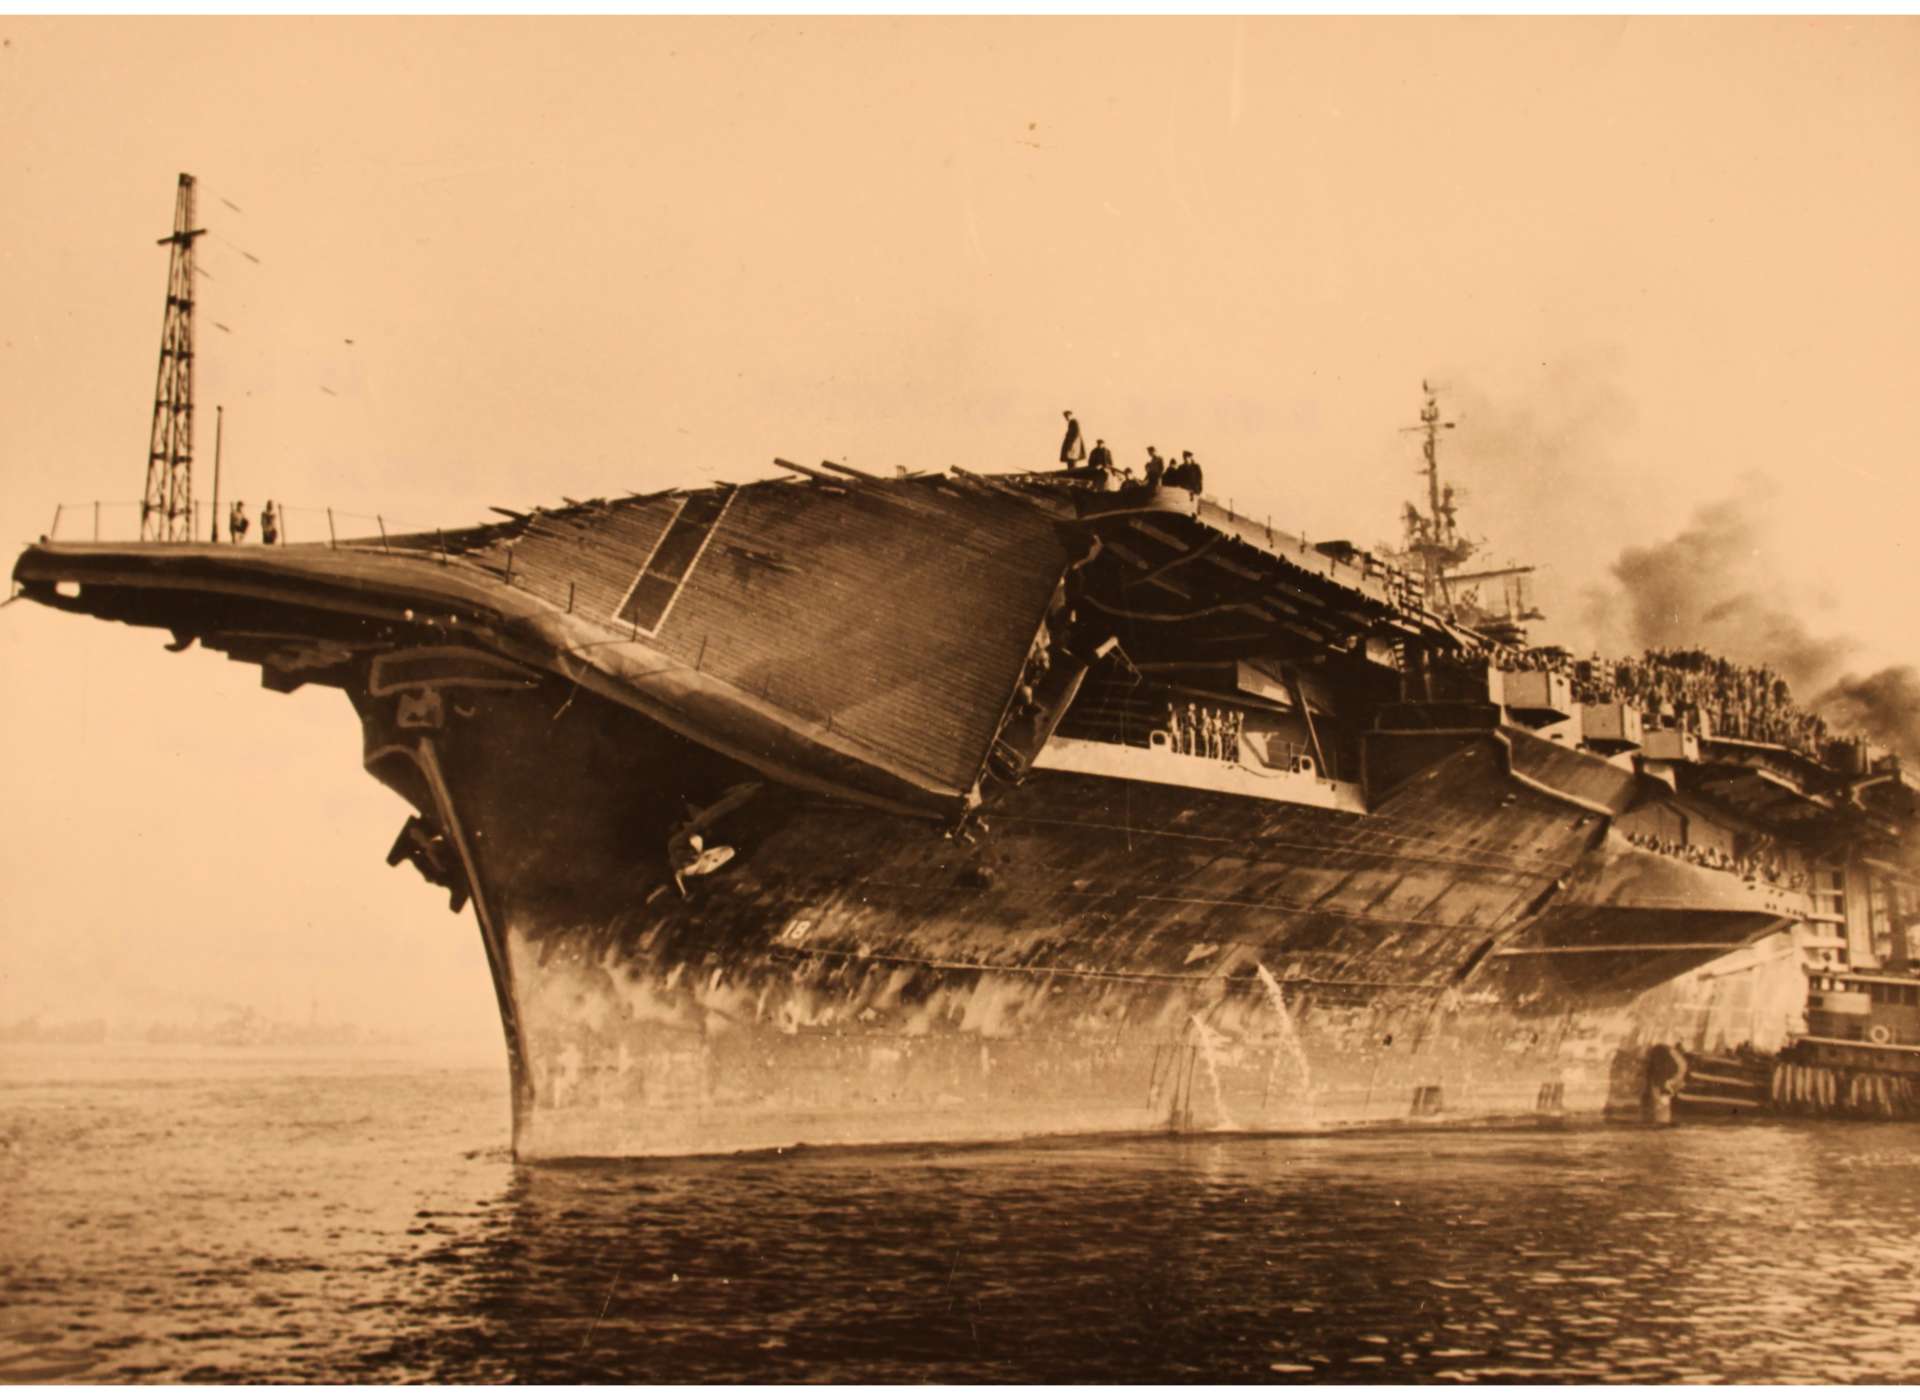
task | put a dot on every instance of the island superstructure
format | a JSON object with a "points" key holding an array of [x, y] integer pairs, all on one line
{"points": [[841, 807]]}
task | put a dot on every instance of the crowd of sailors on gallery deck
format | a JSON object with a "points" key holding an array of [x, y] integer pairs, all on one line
{"points": [[1205, 731], [1693, 689], [1686, 689], [1753, 867]]}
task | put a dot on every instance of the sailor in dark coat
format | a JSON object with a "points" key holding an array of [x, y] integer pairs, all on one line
{"points": [[1156, 469], [1072, 450], [1101, 460], [1190, 473]]}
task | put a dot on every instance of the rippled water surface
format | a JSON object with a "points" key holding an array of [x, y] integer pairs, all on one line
{"points": [[181, 1215]]}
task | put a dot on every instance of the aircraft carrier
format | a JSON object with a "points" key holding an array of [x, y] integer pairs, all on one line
{"points": [[840, 807], [846, 807]]}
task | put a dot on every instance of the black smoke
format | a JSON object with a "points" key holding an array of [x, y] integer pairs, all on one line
{"points": [[1885, 706], [1712, 586]]}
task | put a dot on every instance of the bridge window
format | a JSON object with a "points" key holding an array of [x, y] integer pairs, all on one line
{"points": [[666, 569]]}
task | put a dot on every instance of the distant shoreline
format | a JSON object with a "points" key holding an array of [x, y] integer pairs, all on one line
{"points": [[112, 1058]]}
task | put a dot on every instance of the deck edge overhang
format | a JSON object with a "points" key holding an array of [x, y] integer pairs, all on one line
{"points": [[443, 597]]}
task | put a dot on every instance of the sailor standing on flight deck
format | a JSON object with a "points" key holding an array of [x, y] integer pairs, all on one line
{"points": [[237, 523], [1156, 469], [269, 524], [1072, 450], [1101, 460]]}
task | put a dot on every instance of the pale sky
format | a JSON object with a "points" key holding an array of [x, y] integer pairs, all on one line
{"points": [[1651, 261]]}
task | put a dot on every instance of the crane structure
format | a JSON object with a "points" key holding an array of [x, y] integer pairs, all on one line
{"points": [[166, 510]]}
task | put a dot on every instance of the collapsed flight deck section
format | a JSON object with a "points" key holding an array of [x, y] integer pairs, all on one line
{"points": [[864, 639]]}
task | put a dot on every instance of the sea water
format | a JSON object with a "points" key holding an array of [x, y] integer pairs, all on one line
{"points": [[252, 1215]]}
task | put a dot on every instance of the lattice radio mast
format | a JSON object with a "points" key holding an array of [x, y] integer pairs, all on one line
{"points": [[1435, 536], [166, 511]]}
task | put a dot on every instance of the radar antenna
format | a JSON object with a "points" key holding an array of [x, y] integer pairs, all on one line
{"points": [[1435, 537], [166, 511]]}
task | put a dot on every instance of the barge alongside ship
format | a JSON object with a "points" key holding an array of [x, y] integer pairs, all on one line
{"points": [[834, 808]]}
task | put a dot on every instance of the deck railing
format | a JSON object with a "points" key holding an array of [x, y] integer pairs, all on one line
{"points": [[118, 522]]}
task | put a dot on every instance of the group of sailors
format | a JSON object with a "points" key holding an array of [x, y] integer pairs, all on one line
{"points": [[237, 523], [1711, 858], [1205, 732], [1687, 689], [1098, 467], [1692, 688]]}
